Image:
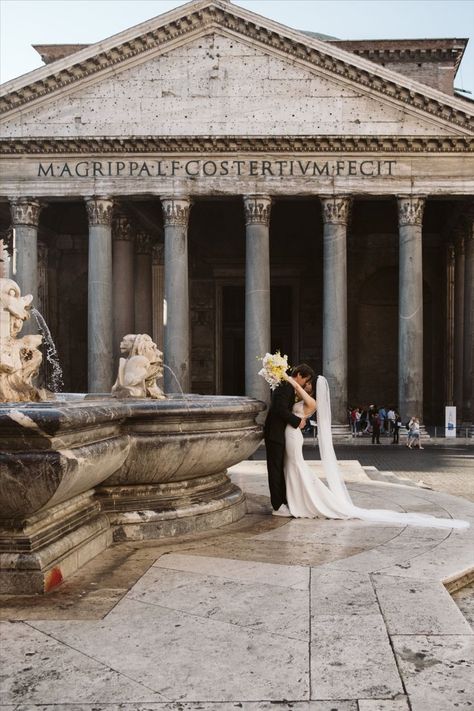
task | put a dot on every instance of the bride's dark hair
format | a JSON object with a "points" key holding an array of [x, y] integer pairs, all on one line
{"points": [[304, 370]]}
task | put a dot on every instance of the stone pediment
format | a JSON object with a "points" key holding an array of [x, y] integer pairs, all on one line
{"points": [[211, 68]]}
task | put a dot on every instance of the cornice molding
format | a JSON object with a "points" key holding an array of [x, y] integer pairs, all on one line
{"points": [[213, 15], [237, 144]]}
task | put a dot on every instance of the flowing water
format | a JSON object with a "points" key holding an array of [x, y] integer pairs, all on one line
{"points": [[55, 381]]}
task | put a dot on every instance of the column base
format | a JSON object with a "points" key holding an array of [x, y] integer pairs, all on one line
{"points": [[39, 553], [150, 512]]}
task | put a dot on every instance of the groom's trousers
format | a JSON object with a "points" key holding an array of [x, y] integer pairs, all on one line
{"points": [[276, 476]]}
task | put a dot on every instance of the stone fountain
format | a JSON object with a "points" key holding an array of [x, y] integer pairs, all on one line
{"points": [[79, 472]]}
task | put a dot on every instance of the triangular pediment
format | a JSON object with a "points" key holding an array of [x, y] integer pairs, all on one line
{"points": [[211, 68]]}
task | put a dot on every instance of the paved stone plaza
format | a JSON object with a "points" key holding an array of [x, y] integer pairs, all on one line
{"points": [[263, 613]]}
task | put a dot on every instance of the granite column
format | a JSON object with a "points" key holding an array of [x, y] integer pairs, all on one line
{"points": [[257, 292], [143, 284], [468, 359], [176, 344], [410, 314], [335, 363], [123, 281], [458, 323], [25, 219], [100, 314]]}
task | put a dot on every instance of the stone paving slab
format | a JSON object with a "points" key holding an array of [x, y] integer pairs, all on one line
{"points": [[263, 614], [438, 671]]}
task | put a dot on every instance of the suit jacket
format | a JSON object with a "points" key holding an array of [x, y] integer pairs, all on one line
{"points": [[280, 414]]}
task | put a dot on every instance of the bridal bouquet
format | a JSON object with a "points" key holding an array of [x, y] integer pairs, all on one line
{"points": [[274, 367]]}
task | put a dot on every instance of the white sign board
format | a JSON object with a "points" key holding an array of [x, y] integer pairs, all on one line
{"points": [[450, 421]]}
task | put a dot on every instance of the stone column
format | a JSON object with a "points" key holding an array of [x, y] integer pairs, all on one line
{"points": [[335, 218], [25, 218], [410, 314], [450, 262], [257, 292], [143, 284], [100, 316], [468, 360], [458, 323], [6, 243], [158, 289], [123, 280], [176, 344]]}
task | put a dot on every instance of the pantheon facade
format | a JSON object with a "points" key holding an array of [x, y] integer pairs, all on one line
{"points": [[234, 186]]}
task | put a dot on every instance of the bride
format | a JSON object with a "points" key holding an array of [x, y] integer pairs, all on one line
{"points": [[308, 497]]}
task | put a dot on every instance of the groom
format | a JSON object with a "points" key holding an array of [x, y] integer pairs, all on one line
{"points": [[279, 416]]}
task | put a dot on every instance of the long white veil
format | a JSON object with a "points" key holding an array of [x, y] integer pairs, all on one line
{"points": [[335, 479]]}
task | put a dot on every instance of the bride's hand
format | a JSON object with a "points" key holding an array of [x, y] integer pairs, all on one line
{"points": [[289, 379]]}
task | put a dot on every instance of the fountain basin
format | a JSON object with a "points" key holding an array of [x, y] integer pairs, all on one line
{"points": [[79, 473]]}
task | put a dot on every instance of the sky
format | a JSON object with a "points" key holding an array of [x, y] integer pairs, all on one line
{"points": [[27, 22]]}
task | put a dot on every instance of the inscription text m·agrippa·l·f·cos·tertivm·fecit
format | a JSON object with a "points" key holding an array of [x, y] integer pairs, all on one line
{"points": [[205, 168]]}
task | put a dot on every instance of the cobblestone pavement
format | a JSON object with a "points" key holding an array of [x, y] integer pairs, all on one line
{"points": [[441, 467]]}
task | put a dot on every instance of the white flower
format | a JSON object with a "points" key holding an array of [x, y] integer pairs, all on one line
{"points": [[274, 367]]}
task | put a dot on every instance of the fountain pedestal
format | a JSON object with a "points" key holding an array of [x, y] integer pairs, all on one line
{"points": [[77, 475]]}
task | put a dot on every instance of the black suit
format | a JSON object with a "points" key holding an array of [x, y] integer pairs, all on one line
{"points": [[279, 416]]}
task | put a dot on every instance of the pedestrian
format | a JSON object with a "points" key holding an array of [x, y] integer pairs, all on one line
{"points": [[377, 422], [414, 434], [397, 425], [391, 415], [355, 420]]}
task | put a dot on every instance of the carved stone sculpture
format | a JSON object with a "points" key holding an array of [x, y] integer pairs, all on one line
{"points": [[20, 358], [139, 369]]}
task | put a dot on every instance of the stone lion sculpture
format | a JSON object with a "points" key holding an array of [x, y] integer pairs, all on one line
{"points": [[20, 358], [138, 370]]}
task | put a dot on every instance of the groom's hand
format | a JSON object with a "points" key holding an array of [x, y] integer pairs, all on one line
{"points": [[302, 424]]}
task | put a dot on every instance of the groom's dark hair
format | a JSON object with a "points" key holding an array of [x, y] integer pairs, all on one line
{"points": [[304, 370]]}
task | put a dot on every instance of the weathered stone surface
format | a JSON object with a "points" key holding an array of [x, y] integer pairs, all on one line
{"points": [[167, 460]]}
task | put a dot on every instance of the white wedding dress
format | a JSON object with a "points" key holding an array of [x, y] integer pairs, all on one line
{"points": [[308, 497]]}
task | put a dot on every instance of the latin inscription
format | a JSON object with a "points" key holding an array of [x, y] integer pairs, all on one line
{"points": [[200, 168]]}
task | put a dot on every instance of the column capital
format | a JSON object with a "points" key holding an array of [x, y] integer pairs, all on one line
{"points": [[121, 228], [257, 209], [410, 209], [143, 243], [25, 211], [336, 209], [99, 210], [158, 253], [176, 210], [451, 252]]}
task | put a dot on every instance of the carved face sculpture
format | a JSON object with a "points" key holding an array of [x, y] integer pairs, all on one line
{"points": [[144, 346], [12, 301], [16, 324], [126, 344]]}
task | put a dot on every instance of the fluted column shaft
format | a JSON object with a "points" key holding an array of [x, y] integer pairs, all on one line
{"points": [[410, 316], [25, 219], [176, 345], [100, 313], [143, 284], [458, 324], [468, 360], [257, 292], [123, 280], [335, 219]]}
